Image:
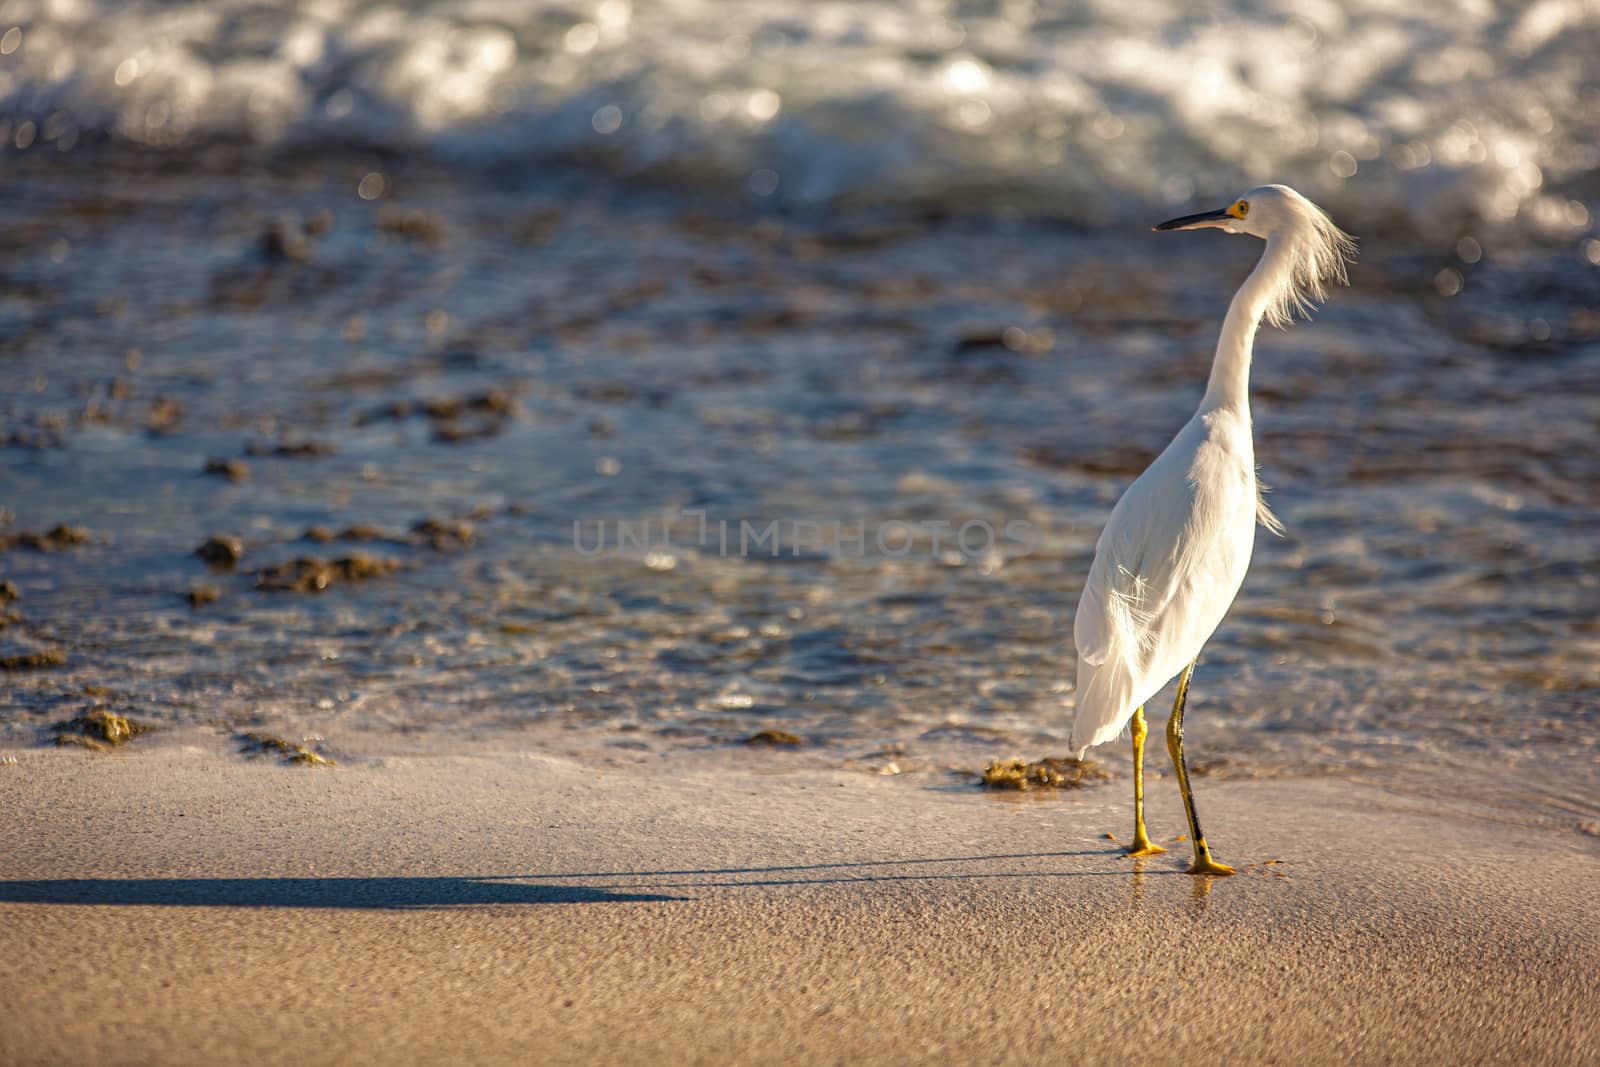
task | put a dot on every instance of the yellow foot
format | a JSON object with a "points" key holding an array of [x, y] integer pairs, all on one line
{"points": [[1144, 848], [1207, 865]]}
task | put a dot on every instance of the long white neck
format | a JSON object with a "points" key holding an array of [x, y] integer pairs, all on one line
{"points": [[1229, 386]]}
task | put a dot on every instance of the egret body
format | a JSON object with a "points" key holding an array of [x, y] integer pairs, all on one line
{"points": [[1176, 547]]}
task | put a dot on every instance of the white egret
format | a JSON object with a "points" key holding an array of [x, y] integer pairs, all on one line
{"points": [[1176, 548]]}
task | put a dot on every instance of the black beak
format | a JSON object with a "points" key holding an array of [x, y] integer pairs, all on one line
{"points": [[1202, 219]]}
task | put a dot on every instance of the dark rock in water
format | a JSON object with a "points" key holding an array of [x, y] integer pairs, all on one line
{"points": [[357, 532], [445, 533], [1067, 772], [99, 728], [362, 532], [973, 340], [34, 661], [235, 470], [1123, 462], [164, 416], [1011, 338], [359, 568], [56, 538], [450, 432], [35, 438], [8, 592], [305, 575], [201, 595], [288, 240], [774, 738], [64, 536], [311, 575], [221, 551], [319, 222], [456, 418], [411, 223], [292, 449]]}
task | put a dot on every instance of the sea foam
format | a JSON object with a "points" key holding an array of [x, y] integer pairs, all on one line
{"points": [[1445, 117]]}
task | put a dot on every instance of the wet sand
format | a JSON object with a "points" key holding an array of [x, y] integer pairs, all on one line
{"points": [[177, 903]]}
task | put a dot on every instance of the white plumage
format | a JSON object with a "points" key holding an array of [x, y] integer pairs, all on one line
{"points": [[1176, 547], [1166, 570]]}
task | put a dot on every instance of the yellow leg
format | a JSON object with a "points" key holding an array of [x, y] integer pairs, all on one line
{"points": [[1203, 863], [1141, 841]]}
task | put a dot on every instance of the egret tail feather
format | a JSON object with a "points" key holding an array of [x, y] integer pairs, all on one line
{"points": [[1105, 705]]}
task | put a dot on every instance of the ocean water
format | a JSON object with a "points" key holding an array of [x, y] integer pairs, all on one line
{"points": [[1431, 115], [700, 369]]}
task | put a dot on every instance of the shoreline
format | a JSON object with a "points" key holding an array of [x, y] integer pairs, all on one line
{"points": [[177, 905]]}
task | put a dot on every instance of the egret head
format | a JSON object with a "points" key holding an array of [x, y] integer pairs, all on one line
{"points": [[1314, 255]]}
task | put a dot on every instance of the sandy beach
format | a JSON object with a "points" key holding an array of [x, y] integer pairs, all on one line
{"points": [[182, 904]]}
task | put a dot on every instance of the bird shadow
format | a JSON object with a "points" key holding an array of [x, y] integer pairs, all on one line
{"points": [[402, 893], [801, 868], [368, 893]]}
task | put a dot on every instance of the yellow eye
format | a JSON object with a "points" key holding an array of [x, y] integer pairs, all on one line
{"points": [[1240, 210]]}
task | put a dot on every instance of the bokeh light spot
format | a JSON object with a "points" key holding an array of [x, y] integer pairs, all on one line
{"points": [[607, 120]]}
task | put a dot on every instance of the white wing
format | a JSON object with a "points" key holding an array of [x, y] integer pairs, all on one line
{"points": [[1166, 569], [1091, 631], [1134, 564]]}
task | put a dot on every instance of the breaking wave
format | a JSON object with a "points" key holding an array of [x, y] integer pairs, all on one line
{"points": [[1443, 116]]}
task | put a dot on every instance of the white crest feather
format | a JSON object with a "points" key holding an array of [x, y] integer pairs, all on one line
{"points": [[1319, 254]]}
